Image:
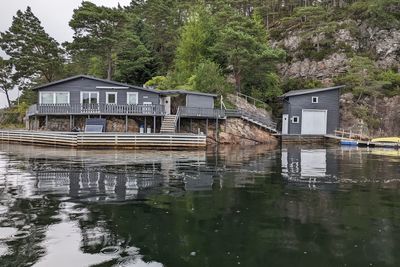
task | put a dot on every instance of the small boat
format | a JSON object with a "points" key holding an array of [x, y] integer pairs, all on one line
{"points": [[386, 140], [349, 142]]}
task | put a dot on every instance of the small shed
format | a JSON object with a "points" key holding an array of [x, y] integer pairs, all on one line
{"points": [[311, 111]]}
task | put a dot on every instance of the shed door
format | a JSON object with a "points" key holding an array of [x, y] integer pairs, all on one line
{"points": [[285, 124], [313, 121]]}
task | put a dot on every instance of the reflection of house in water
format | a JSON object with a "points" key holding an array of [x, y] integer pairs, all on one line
{"points": [[309, 165]]}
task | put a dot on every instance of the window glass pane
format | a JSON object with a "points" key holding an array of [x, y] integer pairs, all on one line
{"points": [[132, 99], [93, 98], [46, 98], [85, 98], [62, 98], [111, 98]]}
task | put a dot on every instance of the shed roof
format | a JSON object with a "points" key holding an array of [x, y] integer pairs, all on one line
{"points": [[94, 79], [185, 92], [310, 91]]}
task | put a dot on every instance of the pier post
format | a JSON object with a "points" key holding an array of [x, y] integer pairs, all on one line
{"points": [[46, 122], [207, 126], [145, 124], [126, 123], [154, 124], [70, 122], [190, 125]]}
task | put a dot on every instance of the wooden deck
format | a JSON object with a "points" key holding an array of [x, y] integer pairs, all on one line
{"points": [[100, 140]]}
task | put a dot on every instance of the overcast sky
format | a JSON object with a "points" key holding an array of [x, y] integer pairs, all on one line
{"points": [[54, 15]]}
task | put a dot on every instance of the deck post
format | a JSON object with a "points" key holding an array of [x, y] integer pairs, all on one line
{"points": [[46, 122], [73, 121], [35, 126], [216, 130], [154, 124], [207, 126], [126, 123], [179, 124], [70, 122], [190, 125], [145, 124]]}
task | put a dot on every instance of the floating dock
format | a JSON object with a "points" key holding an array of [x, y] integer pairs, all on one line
{"points": [[104, 140]]}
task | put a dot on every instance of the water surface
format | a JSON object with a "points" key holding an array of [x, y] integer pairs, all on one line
{"points": [[228, 206]]}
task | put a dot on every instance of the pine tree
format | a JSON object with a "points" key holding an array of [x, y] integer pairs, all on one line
{"points": [[32, 51], [6, 81]]}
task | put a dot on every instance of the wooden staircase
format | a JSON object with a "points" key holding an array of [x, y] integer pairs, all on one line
{"points": [[168, 124]]}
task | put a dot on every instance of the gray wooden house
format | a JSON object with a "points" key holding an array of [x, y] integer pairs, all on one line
{"points": [[311, 111], [71, 101]]}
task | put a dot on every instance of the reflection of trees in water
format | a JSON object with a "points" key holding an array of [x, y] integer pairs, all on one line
{"points": [[30, 218]]}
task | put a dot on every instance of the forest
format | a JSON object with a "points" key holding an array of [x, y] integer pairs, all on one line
{"points": [[218, 46]]}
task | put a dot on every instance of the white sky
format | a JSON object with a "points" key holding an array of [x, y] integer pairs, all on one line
{"points": [[54, 15]]}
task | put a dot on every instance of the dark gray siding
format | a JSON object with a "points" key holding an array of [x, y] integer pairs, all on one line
{"points": [[327, 100], [199, 101], [83, 84]]}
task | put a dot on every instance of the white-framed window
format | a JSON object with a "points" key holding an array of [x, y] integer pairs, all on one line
{"points": [[89, 97], [295, 119], [314, 99], [111, 97], [54, 98], [132, 98]]}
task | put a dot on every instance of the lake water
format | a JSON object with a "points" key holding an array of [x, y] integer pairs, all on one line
{"points": [[231, 206]]}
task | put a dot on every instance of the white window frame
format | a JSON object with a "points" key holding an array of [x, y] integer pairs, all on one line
{"points": [[54, 97], [116, 97], [316, 99], [132, 93], [90, 92], [297, 119]]}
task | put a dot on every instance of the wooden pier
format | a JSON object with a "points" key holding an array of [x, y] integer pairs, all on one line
{"points": [[104, 140]]}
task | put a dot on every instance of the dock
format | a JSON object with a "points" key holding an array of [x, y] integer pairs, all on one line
{"points": [[104, 140]]}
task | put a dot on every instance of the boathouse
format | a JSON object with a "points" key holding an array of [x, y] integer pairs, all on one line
{"points": [[311, 111], [67, 104]]}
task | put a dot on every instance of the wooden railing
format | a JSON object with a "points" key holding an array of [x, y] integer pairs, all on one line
{"points": [[252, 100], [254, 118], [111, 109], [192, 112], [121, 140]]}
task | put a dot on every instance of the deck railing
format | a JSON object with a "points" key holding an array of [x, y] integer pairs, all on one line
{"points": [[109, 109], [192, 112]]}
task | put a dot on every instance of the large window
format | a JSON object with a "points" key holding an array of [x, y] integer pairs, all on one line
{"points": [[111, 97], [54, 98], [132, 98], [89, 98]]}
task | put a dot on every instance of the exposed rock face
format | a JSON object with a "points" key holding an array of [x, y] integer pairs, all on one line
{"points": [[238, 131], [383, 114], [242, 104], [384, 43], [324, 70]]}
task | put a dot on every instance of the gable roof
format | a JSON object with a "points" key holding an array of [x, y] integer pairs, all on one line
{"points": [[94, 79], [310, 91]]}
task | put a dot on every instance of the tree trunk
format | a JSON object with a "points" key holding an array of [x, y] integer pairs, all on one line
{"points": [[8, 98], [109, 66]]}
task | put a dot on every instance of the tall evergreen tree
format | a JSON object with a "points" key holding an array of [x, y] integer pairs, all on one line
{"points": [[32, 51], [6, 81]]}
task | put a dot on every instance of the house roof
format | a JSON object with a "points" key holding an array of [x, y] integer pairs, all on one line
{"points": [[310, 91], [166, 92], [94, 79], [185, 92]]}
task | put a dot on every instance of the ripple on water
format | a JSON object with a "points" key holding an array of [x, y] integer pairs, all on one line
{"points": [[111, 250]]}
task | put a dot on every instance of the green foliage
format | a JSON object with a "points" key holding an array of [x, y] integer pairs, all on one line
{"points": [[363, 77], [208, 78], [391, 81], [34, 54], [381, 13]]}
